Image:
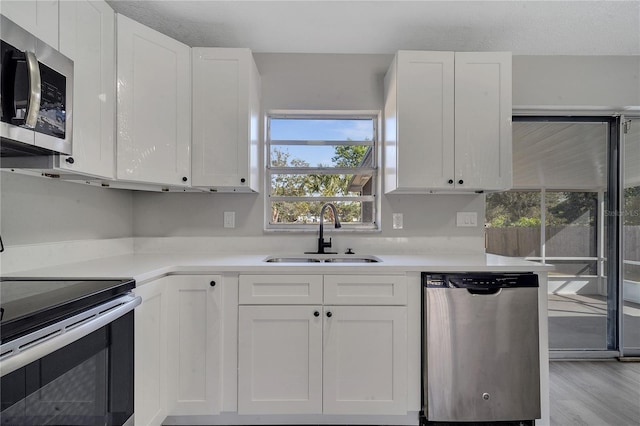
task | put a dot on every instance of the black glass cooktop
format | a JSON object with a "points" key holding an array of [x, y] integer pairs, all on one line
{"points": [[28, 304]]}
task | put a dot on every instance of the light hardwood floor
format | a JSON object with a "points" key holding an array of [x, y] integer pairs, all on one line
{"points": [[595, 393]]}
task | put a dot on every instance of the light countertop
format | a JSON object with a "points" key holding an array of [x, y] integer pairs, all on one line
{"points": [[147, 267]]}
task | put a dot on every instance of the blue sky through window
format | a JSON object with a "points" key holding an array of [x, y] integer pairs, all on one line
{"points": [[318, 129]]}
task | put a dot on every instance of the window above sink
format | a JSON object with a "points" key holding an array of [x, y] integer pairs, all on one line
{"points": [[315, 157]]}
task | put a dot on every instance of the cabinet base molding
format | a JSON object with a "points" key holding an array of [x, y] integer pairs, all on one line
{"points": [[316, 419]]}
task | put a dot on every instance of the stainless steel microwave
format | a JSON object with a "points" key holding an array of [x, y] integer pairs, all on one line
{"points": [[36, 95]]}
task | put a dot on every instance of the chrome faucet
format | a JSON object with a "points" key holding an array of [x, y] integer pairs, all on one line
{"points": [[321, 243]]}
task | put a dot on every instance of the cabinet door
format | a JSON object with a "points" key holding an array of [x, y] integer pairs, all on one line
{"points": [[150, 354], [225, 119], [195, 345], [39, 17], [483, 120], [365, 360], [365, 290], [280, 360], [280, 289], [424, 120], [87, 36], [154, 106]]}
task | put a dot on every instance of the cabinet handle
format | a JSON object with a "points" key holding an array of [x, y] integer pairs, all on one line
{"points": [[184, 179], [460, 182], [212, 283], [70, 160], [329, 314], [243, 180], [450, 181], [316, 314]]}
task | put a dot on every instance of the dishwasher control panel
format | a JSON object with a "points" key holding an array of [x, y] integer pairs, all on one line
{"points": [[479, 280]]}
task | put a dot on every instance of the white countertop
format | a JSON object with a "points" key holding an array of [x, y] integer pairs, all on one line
{"points": [[146, 267]]}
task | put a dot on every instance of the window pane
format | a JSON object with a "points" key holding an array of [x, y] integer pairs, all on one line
{"points": [[316, 185], [571, 224], [513, 223], [321, 129], [320, 156], [308, 212]]}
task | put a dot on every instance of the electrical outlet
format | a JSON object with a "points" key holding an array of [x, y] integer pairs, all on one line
{"points": [[397, 221], [466, 219], [229, 219]]}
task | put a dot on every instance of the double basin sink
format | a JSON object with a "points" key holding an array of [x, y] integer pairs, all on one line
{"points": [[323, 258]]}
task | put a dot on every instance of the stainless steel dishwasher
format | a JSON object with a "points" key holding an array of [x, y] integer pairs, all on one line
{"points": [[480, 352]]}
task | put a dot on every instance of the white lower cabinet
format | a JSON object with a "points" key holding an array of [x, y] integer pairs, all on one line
{"points": [[365, 360], [178, 348], [150, 354], [194, 346], [322, 359], [280, 360]]}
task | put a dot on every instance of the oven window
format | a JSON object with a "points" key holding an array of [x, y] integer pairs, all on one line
{"points": [[88, 382]]}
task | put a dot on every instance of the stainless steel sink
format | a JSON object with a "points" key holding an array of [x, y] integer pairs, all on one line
{"points": [[352, 260], [292, 260], [322, 258]]}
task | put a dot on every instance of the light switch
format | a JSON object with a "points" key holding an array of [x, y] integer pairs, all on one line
{"points": [[467, 219], [229, 219]]}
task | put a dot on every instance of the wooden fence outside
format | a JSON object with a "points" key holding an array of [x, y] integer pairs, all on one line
{"points": [[562, 241]]}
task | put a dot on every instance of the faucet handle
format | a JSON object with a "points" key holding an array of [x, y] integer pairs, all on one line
{"points": [[327, 243]]}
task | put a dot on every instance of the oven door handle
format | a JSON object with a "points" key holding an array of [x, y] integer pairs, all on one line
{"points": [[25, 350]]}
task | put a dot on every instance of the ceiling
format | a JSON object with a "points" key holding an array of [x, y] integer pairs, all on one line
{"points": [[559, 155], [569, 155], [382, 27]]}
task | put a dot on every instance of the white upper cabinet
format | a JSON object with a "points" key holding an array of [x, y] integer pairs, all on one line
{"points": [[87, 36], [483, 121], [226, 120], [39, 17], [448, 122], [154, 106]]}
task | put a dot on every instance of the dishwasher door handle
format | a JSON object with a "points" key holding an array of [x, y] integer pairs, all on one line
{"points": [[485, 291]]}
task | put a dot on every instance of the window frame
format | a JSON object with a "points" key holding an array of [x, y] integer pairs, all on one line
{"points": [[374, 169]]}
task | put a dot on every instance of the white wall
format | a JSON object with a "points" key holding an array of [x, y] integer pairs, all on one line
{"points": [[304, 81], [37, 210], [601, 81]]}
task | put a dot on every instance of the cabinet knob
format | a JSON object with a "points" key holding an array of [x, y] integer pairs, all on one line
{"points": [[70, 160], [316, 314], [460, 182], [243, 180], [450, 181], [329, 314], [184, 178], [212, 283]]}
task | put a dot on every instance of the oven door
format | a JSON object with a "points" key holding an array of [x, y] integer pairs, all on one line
{"points": [[87, 382]]}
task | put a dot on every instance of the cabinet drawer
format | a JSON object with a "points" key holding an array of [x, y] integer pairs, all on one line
{"points": [[280, 289], [365, 290]]}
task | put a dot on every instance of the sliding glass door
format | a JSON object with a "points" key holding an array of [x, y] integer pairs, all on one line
{"points": [[559, 213]]}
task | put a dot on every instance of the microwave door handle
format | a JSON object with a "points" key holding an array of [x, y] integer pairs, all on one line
{"points": [[35, 90]]}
